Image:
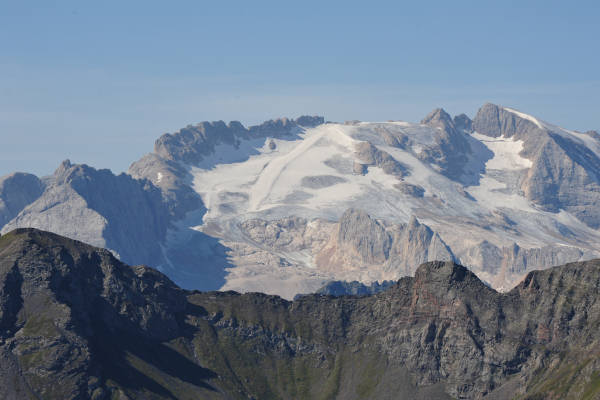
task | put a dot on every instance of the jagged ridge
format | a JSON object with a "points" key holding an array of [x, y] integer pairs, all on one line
{"points": [[76, 323]]}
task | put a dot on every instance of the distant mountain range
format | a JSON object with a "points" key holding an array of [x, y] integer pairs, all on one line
{"points": [[289, 205], [76, 323]]}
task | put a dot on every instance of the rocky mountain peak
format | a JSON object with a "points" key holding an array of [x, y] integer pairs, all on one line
{"points": [[310, 120], [438, 118], [463, 122], [194, 142], [236, 125], [446, 275], [73, 314], [66, 171], [413, 223], [494, 120], [63, 167], [365, 235], [17, 190], [451, 147]]}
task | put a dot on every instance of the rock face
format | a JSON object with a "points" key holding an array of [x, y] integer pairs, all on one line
{"points": [[119, 212], [563, 162], [370, 155], [17, 190], [354, 288], [173, 179], [191, 144], [361, 236], [451, 148], [496, 121], [264, 208], [365, 245], [77, 323], [414, 244], [463, 122], [356, 246]]}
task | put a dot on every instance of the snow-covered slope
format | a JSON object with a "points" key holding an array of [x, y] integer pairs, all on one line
{"points": [[320, 172], [288, 205]]}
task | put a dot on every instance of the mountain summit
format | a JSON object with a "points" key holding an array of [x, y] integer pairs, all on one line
{"points": [[288, 205], [77, 323]]}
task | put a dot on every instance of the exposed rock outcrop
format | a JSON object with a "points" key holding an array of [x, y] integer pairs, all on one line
{"points": [[463, 122], [173, 179], [77, 323], [192, 143], [361, 242], [362, 236], [411, 190], [290, 233], [412, 245], [495, 121], [123, 214], [451, 148], [17, 190], [370, 155], [562, 173]]}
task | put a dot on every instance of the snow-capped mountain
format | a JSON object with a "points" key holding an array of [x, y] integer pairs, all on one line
{"points": [[288, 205]]}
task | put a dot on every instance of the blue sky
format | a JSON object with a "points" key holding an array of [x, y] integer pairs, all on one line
{"points": [[98, 82]]}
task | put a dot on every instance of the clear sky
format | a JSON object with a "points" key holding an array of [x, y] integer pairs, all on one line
{"points": [[98, 82]]}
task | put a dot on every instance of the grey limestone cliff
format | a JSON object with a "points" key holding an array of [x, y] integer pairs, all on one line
{"points": [[123, 214], [360, 241], [451, 148], [191, 144], [370, 155], [17, 190], [360, 234], [562, 175]]}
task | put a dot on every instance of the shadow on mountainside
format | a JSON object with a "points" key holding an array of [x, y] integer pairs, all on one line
{"points": [[242, 151], [196, 260], [471, 172], [140, 365]]}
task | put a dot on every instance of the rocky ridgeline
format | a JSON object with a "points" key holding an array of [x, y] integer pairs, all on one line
{"points": [[354, 288], [77, 323], [96, 206], [451, 149], [358, 245], [562, 175], [155, 215], [128, 213], [191, 144], [17, 190]]}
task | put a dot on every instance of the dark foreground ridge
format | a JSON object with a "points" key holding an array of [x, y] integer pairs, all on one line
{"points": [[75, 323]]}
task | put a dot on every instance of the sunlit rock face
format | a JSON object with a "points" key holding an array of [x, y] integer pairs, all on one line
{"points": [[289, 205]]}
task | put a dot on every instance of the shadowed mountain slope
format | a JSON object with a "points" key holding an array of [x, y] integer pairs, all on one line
{"points": [[75, 323], [285, 206]]}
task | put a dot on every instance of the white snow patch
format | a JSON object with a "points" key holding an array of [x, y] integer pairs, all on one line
{"points": [[287, 170], [525, 116], [579, 137], [506, 158], [506, 153], [159, 177], [263, 179], [488, 193], [254, 181]]}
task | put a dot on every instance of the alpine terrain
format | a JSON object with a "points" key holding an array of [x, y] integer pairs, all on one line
{"points": [[76, 323], [289, 205]]}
